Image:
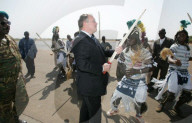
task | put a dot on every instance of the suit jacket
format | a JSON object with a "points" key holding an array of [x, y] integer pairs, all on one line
{"points": [[157, 48], [27, 47], [89, 58]]}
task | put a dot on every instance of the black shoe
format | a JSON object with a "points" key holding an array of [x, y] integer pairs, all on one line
{"points": [[27, 75], [32, 76]]}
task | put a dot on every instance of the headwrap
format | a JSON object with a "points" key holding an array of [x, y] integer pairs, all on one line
{"points": [[55, 29], [139, 29], [183, 27], [2, 13]]}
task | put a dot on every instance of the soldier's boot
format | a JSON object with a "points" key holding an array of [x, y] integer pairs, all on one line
{"points": [[185, 97], [16, 116], [17, 120], [167, 97]]}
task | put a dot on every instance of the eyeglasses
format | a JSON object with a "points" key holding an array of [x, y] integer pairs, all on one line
{"points": [[3, 23]]}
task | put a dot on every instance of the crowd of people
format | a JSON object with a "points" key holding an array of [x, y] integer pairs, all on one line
{"points": [[137, 71]]}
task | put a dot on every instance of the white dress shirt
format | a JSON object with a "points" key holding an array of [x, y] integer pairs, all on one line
{"points": [[86, 33], [161, 41]]}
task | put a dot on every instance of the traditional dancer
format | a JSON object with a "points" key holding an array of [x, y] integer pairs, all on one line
{"points": [[55, 38], [61, 56], [134, 61], [178, 78]]}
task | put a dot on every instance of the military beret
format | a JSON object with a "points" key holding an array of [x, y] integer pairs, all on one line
{"points": [[2, 13]]}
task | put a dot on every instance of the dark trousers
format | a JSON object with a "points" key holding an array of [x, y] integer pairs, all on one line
{"points": [[30, 64], [163, 66], [90, 111]]}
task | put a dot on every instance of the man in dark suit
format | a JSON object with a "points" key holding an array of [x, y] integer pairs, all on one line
{"points": [[90, 63], [162, 65]]}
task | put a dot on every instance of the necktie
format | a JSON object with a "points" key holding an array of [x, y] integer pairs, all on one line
{"points": [[92, 37], [97, 43]]}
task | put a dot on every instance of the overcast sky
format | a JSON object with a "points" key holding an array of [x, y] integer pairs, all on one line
{"points": [[39, 16]]}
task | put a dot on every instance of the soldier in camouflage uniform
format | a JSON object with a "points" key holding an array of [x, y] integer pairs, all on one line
{"points": [[13, 95]]}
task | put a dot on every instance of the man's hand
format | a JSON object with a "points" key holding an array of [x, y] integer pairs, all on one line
{"points": [[178, 62], [119, 49], [106, 67]]}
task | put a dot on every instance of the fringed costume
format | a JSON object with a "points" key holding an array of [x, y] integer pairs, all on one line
{"points": [[132, 89]]}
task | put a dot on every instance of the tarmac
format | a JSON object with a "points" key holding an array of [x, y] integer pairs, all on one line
{"points": [[54, 100]]}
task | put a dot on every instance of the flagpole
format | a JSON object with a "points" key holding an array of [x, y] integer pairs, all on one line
{"points": [[99, 26], [189, 17]]}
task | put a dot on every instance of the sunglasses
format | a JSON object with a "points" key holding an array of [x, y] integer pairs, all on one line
{"points": [[3, 23]]}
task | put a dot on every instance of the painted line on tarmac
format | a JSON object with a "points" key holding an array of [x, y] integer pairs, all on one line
{"points": [[37, 92], [32, 118], [61, 105]]}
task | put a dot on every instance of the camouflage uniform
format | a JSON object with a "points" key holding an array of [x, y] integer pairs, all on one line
{"points": [[13, 96]]}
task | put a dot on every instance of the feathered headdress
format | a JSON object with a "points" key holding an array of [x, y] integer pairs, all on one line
{"points": [[184, 24], [140, 28], [139, 32]]}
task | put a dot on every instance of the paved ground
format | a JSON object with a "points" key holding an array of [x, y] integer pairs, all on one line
{"points": [[54, 100]]}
